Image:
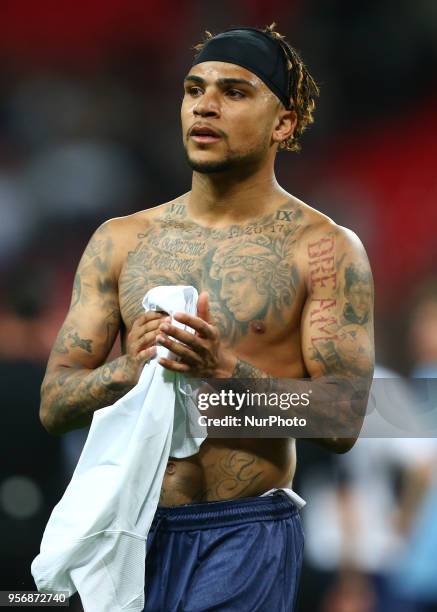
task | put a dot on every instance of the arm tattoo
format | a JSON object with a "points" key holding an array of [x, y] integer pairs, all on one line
{"points": [[243, 369], [77, 341], [339, 338], [72, 389], [71, 395], [68, 334]]}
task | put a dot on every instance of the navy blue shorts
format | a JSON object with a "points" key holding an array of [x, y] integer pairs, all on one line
{"points": [[240, 555]]}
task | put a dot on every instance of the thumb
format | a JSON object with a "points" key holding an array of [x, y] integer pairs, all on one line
{"points": [[203, 306]]}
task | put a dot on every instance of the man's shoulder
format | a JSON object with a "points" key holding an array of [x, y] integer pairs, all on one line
{"points": [[121, 227], [324, 244], [118, 235], [318, 226]]}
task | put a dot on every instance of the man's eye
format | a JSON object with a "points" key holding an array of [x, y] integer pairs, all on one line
{"points": [[235, 94], [194, 91]]}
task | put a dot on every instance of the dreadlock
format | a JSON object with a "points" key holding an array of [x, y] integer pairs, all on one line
{"points": [[302, 88]]}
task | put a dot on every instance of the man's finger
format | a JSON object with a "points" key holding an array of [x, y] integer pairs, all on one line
{"points": [[203, 306], [175, 366], [199, 325], [181, 350], [150, 325], [183, 336], [146, 342], [150, 315], [147, 354]]}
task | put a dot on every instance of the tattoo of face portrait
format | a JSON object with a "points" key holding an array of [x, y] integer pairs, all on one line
{"points": [[358, 293], [254, 278]]}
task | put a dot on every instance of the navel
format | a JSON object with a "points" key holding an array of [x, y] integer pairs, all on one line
{"points": [[171, 468]]}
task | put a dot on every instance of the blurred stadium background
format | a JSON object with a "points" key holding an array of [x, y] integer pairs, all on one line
{"points": [[89, 129]]}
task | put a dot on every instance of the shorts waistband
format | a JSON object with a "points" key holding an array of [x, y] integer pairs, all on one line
{"points": [[224, 513]]}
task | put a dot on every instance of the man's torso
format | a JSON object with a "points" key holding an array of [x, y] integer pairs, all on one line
{"points": [[255, 279]]}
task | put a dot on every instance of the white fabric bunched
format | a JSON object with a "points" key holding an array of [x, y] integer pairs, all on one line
{"points": [[94, 541]]}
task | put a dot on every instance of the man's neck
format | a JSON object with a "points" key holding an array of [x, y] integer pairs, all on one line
{"points": [[225, 197]]}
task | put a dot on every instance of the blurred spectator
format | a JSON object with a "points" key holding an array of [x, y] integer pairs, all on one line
{"points": [[354, 524], [30, 469], [81, 178], [26, 331], [380, 504], [353, 592], [17, 218], [416, 576], [423, 332]]}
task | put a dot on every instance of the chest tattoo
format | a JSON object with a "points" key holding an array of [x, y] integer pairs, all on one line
{"points": [[249, 271]]}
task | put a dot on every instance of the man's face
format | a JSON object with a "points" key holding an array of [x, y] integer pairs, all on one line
{"points": [[359, 296], [241, 294], [228, 115]]}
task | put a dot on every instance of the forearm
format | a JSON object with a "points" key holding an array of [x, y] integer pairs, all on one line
{"points": [[70, 396], [334, 406]]}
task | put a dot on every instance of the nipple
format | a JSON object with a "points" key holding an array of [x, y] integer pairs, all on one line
{"points": [[258, 327]]}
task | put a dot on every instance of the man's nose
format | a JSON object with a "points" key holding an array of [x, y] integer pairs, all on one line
{"points": [[207, 106]]}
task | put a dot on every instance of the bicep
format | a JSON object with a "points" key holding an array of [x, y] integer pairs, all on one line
{"points": [[91, 325], [337, 321]]}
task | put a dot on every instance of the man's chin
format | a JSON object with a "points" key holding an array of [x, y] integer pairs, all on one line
{"points": [[209, 167], [232, 162]]}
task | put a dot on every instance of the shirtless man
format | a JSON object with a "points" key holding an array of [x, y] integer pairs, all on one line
{"points": [[286, 293]]}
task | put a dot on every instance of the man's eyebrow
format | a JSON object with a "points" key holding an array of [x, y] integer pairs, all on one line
{"points": [[220, 82], [193, 77], [233, 81]]}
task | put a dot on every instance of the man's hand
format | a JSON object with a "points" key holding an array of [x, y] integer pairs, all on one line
{"points": [[141, 341], [200, 355]]}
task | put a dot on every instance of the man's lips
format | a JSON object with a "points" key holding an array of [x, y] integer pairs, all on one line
{"points": [[204, 134], [204, 138]]}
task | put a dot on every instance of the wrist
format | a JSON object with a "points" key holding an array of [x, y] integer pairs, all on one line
{"points": [[228, 363], [126, 372], [243, 369]]}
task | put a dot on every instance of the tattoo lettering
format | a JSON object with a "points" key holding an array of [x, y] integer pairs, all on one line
{"points": [[322, 263], [284, 215], [339, 340], [178, 209], [322, 275]]}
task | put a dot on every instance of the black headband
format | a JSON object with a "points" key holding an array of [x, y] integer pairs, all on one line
{"points": [[254, 50]]}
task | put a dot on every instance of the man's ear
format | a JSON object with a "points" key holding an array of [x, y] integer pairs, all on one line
{"points": [[285, 125]]}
